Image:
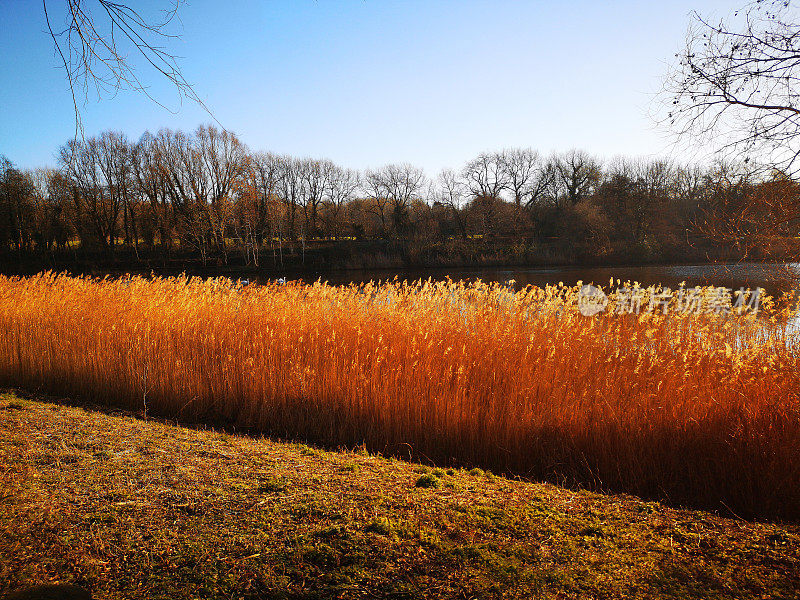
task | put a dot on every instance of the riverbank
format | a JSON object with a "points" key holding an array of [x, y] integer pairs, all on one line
{"points": [[144, 509]]}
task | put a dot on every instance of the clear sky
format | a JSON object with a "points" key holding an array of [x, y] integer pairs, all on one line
{"points": [[368, 82]]}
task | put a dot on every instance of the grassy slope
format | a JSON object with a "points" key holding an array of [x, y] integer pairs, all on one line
{"points": [[135, 509]]}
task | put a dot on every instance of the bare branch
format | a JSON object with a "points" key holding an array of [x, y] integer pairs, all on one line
{"points": [[737, 87], [102, 43]]}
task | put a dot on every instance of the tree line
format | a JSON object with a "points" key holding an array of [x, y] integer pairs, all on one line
{"points": [[206, 195]]}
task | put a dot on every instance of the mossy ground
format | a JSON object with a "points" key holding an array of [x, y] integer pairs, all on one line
{"points": [[143, 509]]}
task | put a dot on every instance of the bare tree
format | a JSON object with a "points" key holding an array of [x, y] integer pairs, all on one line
{"points": [[629, 194], [576, 175], [16, 189], [451, 193], [396, 187], [264, 175], [735, 84], [378, 200], [179, 166], [93, 170], [342, 186], [290, 189], [520, 167], [314, 185], [224, 162], [486, 175], [114, 154], [258, 206], [152, 185], [486, 179]]}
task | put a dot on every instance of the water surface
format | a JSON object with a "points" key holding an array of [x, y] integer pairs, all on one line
{"points": [[774, 277]]}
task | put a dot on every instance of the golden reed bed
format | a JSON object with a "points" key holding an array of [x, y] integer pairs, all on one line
{"points": [[702, 409]]}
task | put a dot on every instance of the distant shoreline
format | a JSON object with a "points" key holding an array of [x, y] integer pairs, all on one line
{"points": [[323, 259]]}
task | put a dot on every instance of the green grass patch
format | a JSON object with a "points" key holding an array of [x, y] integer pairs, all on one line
{"points": [[136, 509]]}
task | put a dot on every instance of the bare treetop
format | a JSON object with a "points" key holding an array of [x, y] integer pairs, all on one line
{"points": [[736, 85]]}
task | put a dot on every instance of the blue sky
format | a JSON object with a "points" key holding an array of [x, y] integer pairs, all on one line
{"points": [[368, 82]]}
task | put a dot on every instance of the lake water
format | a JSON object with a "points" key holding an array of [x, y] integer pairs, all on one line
{"points": [[774, 277]]}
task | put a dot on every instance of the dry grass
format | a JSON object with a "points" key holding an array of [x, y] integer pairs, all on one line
{"points": [[697, 409], [136, 509]]}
